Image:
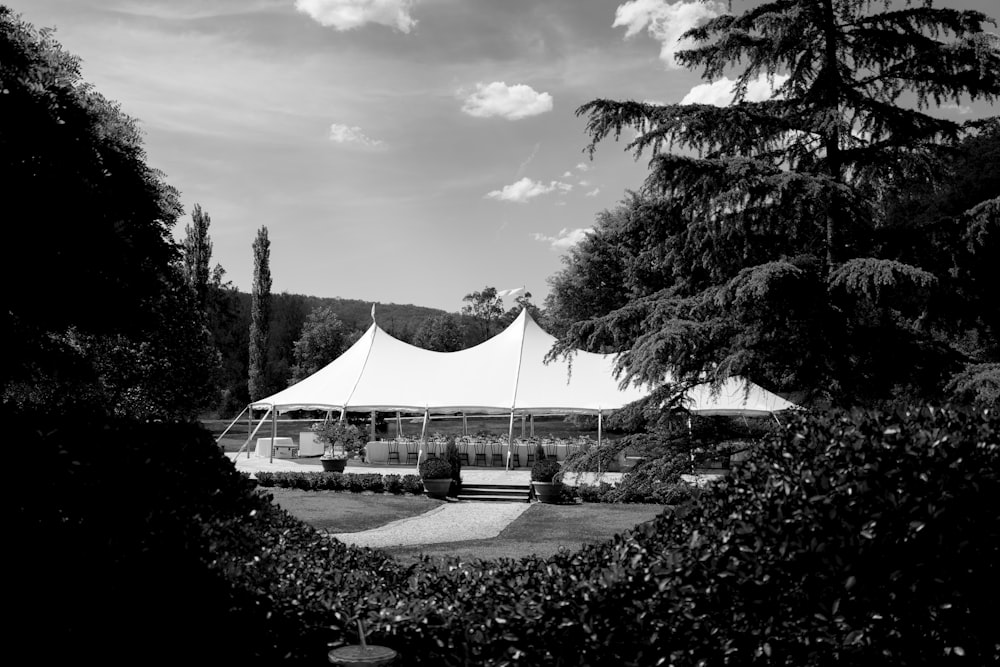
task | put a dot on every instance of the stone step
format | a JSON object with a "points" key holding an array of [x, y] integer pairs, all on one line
{"points": [[495, 492]]}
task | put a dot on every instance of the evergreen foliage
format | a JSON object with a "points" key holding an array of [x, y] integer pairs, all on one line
{"points": [[197, 247], [260, 317], [757, 246]]}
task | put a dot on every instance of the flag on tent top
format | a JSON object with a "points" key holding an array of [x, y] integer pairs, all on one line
{"points": [[510, 292]]}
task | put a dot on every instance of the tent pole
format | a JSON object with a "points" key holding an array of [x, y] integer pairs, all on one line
{"points": [[465, 425], [373, 426], [250, 429], [252, 434], [510, 440], [690, 437], [274, 432], [600, 423], [423, 436], [532, 425], [399, 425], [231, 425], [776, 419], [523, 420]]}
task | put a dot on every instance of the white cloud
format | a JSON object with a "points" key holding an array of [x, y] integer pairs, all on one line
{"points": [[583, 183], [347, 14], [720, 93], [567, 174], [565, 239], [523, 190], [342, 134], [593, 193], [963, 109], [510, 102], [665, 22], [583, 166]]}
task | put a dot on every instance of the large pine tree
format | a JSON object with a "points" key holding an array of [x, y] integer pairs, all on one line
{"points": [[762, 252]]}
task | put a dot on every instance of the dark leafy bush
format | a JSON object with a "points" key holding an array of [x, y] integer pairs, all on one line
{"points": [[544, 470], [451, 455], [594, 493], [435, 469], [412, 484], [335, 481], [862, 538]]}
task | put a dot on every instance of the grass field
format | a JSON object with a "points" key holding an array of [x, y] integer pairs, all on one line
{"points": [[540, 531]]}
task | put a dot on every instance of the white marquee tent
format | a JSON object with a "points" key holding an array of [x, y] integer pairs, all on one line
{"points": [[503, 375]]}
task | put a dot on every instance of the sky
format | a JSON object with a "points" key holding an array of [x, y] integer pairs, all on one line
{"points": [[398, 151]]}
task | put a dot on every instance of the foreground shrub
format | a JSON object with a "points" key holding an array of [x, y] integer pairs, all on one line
{"points": [[861, 538]]}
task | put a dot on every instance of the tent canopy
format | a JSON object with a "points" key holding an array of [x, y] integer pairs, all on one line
{"points": [[503, 374]]}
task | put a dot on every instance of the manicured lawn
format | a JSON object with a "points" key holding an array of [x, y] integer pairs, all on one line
{"points": [[541, 531], [339, 512]]}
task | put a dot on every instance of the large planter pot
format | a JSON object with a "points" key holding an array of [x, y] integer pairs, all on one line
{"points": [[333, 465], [548, 492], [437, 488]]}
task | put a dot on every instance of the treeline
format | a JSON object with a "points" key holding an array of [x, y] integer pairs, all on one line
{"points": [[229, 322], [307, 332]]}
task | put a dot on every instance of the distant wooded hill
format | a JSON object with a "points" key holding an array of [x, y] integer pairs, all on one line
{"points": [[230, 323]]}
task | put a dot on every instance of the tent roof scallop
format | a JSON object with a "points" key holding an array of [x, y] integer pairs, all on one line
{"points": [[506, 372]]}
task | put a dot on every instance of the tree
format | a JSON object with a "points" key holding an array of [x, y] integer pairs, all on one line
{"points": [[764, 250], [260, 316], [324, 338], [198, 254], [92, 269], [485, 308], [443, 333]]}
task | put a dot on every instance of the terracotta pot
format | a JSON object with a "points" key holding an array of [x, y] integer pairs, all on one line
{"points": [[333, 465], [548, 492], [437, 488]]}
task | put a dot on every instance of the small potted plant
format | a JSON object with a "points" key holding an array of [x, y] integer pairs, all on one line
{"points": [[436, 476], [543, 475], [341, 441]]}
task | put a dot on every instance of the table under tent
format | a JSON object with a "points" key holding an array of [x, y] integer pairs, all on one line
{"points": [[506, 375]]}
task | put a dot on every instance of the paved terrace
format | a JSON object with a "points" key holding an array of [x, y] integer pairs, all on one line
{"points": [[470, 475]]}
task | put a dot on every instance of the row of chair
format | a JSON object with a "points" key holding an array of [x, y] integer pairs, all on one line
{"points": [[483, 453]]}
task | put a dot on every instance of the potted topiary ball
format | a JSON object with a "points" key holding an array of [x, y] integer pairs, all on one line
{"points": [[436, 476], [543, 475], [341, 441]]}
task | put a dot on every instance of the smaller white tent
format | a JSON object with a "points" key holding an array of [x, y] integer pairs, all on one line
{"points": [[735, 397]]}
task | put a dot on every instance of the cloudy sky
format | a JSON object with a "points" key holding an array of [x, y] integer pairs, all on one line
{"points": [[406, 151]]}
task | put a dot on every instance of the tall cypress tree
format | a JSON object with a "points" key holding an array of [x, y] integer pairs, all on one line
{"points": [[763, 251], [198, 254], [260, 315]]}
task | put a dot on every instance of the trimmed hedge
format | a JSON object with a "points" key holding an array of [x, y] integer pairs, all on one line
{"points": [[860, 538], [335, 481]]}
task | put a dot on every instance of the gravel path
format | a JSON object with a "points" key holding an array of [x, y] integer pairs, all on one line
{"points": [[452, 522]]}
